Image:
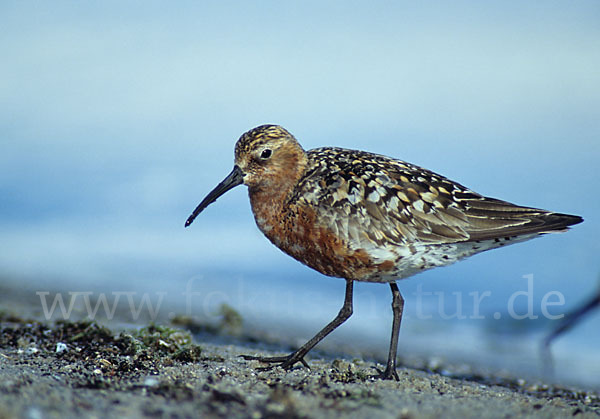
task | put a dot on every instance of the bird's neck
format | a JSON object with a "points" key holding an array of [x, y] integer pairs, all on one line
{"points": [[269, 199]]}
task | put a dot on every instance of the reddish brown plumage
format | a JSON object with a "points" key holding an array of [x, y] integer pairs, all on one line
{"points": [[366, 217]]}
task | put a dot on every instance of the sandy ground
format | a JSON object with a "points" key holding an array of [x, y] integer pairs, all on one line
{"points": [[81, 369]]}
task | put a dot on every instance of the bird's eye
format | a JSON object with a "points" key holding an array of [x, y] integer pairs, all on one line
{"points": [[266, 153]]}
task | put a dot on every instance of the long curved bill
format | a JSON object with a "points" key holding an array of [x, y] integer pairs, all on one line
{"points": [[235, 178]]}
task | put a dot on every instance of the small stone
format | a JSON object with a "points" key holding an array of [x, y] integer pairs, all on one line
{"points": [[105, 363], [32, 350], [150, 382]]}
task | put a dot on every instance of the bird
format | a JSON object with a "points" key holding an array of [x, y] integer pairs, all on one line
{"points": [[366, 217]]}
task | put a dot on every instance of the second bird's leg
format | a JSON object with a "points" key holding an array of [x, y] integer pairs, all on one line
{"points": [[290, 360], [397, 308]]}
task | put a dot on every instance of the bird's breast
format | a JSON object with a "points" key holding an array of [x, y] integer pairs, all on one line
{"points": [[298, 231]]}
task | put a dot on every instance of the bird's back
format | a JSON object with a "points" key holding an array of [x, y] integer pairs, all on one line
{"points": [[396, 219]]}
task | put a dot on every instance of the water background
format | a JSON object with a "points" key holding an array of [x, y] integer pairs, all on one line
{"points": [[116, 119]]}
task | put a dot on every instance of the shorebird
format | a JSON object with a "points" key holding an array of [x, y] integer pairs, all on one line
{"points": [[366, 217]]}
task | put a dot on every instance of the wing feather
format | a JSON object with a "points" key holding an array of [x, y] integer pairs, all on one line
{"points": [[368, 199]]}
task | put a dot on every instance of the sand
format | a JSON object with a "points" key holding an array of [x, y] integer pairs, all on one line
{"points": [[83, 369]]}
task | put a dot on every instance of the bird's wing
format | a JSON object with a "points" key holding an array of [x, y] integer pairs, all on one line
{"points": [[366, 198]]}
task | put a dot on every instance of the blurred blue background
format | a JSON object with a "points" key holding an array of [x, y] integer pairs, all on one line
{"points": [[117, 118]]}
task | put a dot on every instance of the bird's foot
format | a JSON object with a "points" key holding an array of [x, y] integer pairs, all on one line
{"points": [[285, 362], [390, 373]]}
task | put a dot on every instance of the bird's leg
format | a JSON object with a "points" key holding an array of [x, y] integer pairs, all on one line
{"points": [[290, 360], [397, 308], [567, 322]]}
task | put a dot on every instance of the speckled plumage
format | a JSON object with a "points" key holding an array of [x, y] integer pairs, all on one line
{"points": [[366, 217]]}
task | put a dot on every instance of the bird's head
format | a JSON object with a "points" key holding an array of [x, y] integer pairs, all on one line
{"points": [[267, 158]]}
